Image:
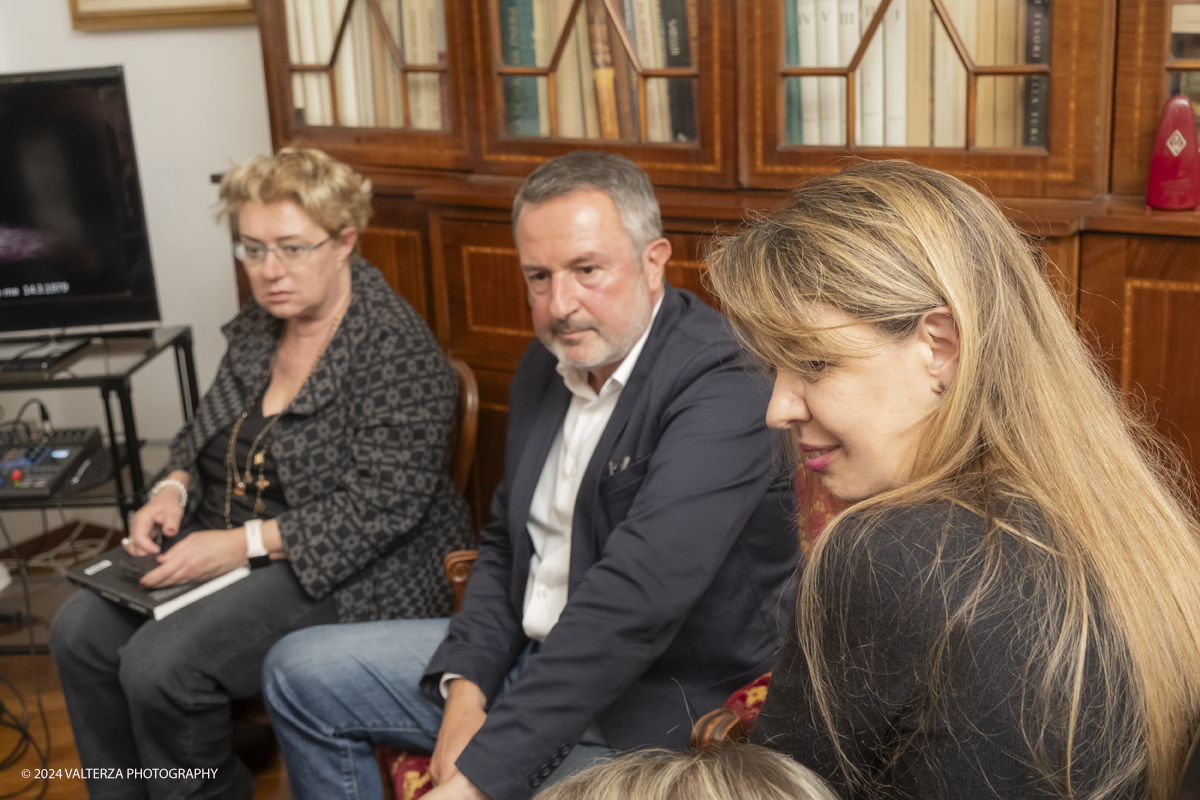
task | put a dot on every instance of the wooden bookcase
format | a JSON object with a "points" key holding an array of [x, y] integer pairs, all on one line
{"points": [[442, 231]]}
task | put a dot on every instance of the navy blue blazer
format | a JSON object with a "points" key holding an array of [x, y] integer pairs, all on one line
{"points": [[683, 538]]}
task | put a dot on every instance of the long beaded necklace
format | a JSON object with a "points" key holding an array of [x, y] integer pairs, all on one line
{"points": [[238, 487]]}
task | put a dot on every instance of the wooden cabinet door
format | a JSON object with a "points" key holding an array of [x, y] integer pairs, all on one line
{"points": [[1140, 303]]}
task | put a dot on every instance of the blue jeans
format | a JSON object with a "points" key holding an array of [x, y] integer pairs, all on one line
{"points": [[336, 691]]}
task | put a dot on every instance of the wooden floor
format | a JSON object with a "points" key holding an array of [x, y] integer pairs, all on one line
{"points": [[272, 784]]}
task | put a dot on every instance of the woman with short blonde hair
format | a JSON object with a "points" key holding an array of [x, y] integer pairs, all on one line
{"points": [[724, 772], [1008, 609], [318, 457]]}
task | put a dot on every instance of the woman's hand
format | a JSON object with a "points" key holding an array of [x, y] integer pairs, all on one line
{"points": [[200, 556], [163, 512]]}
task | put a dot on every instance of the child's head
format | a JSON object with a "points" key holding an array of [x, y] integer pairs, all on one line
{"points": [[725, 772]]}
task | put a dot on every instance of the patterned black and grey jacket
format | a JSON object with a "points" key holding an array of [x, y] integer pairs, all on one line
{"points": [[362, 453]]}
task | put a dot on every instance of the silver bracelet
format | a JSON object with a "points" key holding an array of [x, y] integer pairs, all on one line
{"points": [[171, 482]]}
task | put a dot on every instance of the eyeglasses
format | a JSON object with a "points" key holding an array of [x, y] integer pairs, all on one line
{"points": [[253, 253]]}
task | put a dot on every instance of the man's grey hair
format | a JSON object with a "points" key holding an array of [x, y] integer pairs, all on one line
{"points": [[622, 180]]}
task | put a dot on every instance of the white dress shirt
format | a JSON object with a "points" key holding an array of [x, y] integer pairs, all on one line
{"points": [[553, 506]]}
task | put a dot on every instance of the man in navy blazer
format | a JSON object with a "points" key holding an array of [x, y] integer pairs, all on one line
{"points": [[631, 573]]}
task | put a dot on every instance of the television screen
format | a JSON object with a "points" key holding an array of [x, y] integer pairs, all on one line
{"points": [[73, 245]]}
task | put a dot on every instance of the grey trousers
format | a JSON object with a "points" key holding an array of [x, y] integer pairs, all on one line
{"points": [[145, 694]]}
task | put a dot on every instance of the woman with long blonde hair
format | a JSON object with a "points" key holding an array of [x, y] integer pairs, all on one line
{"points": [[1008, 607]]}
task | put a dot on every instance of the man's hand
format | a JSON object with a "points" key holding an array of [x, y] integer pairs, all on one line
{"points": [[463, 717], [457, 788], [199, 557]]}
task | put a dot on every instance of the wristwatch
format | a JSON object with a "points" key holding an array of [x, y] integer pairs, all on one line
{"points": [[256, 553]]}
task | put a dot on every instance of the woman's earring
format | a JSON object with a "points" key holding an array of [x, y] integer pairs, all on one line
{"points": [[941, 388]]}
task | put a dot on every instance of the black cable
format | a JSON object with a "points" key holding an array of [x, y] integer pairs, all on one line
{"points": [[45, 415], [43, 754]]}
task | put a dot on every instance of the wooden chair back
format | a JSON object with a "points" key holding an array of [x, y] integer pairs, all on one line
{"points": [[466, 428]]}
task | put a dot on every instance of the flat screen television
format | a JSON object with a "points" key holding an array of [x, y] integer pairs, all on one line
{"points": [[73, 247]]}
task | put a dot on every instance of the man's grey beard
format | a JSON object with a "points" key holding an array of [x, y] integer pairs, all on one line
{"points": [[617, 348]]}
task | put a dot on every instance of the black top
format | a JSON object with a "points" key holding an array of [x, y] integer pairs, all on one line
{"points": [[892, 590], [362, 454], [213, 476]]}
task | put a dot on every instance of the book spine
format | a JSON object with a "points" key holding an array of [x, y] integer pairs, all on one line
{"points": [[793, 125], [870, 85], [625, 78], [964, 20], [323, 28], [381, 63], [833, 116], [810, 88], [1007, 118], [520, 91], [1037, 51], [293, 41], [649, 43], [895, 74], [568, 84], [677, 52], [602, 68], [441, 101], [587, 83], [545, 19], [919, 80], [314, 112], [849, 36], [985, 85], [947, 105]]}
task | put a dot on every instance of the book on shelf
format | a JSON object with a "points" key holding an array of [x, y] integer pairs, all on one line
{"points": [[521, 110], [625, 76], [1007, 99], [832, 114], [424, 26], [1037, 51], [679, 34], [810, 88], [985, 85], [323, 32], [895, 74], [949, 83], [568, 80], [869, 88], [603, 71], [793, 114], [316, 85], [293, 43], [919, 74], [647, 16], [1185, 29], [849, 35]]}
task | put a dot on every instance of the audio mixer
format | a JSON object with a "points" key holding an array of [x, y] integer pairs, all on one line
{"points": [[35, 465]]}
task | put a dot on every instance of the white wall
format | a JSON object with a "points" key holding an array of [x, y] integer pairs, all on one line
{"points": [[198, 101]]}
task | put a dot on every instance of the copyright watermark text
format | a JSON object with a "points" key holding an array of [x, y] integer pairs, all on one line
{"points": [[133, 773]]}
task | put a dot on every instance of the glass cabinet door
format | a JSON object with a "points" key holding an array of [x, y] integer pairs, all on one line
{"points": [[652, 79], [906, 73], [370, 81], [944, 82], [1183, 62], [588, 69], [368, 63]]}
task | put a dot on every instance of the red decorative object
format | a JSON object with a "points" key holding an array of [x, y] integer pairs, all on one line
{"points": [[1175, 168], [409, 772], [747, 701]]}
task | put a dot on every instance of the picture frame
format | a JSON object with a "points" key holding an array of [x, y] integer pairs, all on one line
{"points": [[111, 15]]}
